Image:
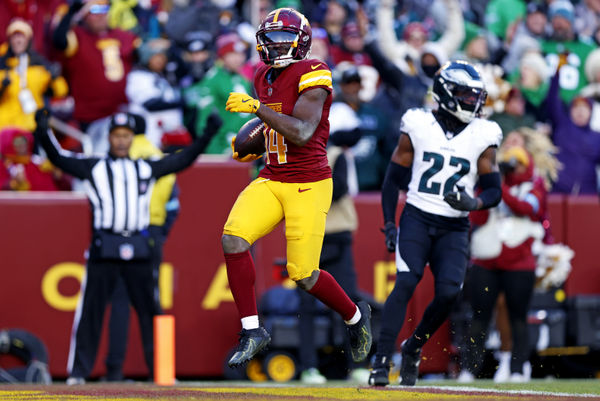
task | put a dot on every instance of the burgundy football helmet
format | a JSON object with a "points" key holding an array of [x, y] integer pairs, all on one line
{"points": [[284, 37]]}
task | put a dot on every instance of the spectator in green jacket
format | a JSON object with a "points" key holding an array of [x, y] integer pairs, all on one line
{"points": [[564, 42], [212, 91]]}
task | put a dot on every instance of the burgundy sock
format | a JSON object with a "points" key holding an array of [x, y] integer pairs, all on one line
{"points": [[328, 291], [241, 276]]}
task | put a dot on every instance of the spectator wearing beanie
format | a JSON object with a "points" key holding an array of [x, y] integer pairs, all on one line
{"points": [[564, 42], [197, 56], [532, 79], [351, 47], [212, 91]]}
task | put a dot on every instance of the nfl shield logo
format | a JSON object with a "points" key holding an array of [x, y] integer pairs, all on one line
{"points": [[126, 251]]}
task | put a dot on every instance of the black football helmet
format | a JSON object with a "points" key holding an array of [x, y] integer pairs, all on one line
{"points": [[459, 89], [284, 37]]}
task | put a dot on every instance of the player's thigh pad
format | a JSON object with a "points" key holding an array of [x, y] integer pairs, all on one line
{"points": [[255, 213], [305, 207]]}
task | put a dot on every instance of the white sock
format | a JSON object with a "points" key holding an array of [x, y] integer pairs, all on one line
{"points": [[355, 318], [250, 322]]}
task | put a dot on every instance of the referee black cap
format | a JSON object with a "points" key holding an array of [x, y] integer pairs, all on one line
{"points": [[140, 124], [124, 120]]}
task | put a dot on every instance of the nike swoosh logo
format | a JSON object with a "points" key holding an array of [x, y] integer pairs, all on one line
{"points": [[315, 66], [303, 190], [245, 100]]}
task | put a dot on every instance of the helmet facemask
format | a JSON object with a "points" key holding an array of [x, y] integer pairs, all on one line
{"points": [[277, 47]]}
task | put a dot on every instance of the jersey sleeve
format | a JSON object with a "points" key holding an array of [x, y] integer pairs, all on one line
{"points": [[318, 75], [409, 123], [493, 134]]}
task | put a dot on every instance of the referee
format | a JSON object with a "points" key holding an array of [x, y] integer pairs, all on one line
{"points": [[119, 191]]}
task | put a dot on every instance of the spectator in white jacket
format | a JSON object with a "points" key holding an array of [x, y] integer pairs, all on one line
{"points": [[151, 95]]}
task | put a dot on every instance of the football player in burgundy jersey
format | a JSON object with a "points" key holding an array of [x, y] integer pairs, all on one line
{"points": [[294, 96]]}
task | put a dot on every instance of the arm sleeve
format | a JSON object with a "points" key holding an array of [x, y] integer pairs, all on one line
{"points": [[396, 177], [77, 167], [179, 160], [340, 177], [158, 104], [59, 36], [491, 190], [389, 73], [554, 105]]}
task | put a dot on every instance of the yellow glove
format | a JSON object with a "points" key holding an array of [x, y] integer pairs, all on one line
{"points": [[246, 159], [241, 103]]}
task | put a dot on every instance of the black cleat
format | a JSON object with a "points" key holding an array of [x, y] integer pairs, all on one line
{"points": [[251, 343], [380, 373], [409, 367], [360, 334]]}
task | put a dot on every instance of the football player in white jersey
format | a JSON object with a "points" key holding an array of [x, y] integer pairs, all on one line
{"points": [[440, 157]]}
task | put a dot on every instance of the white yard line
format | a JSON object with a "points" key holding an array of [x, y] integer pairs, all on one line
{"points": [[498, 391]]}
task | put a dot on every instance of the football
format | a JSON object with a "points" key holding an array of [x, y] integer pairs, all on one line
{"points": [[250, 139]]}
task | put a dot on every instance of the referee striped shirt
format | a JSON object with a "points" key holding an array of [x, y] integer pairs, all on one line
{"points": [[119, 189]]}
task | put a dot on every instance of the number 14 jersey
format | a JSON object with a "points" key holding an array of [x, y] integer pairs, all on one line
{"points": [[285, 161], [443, 163]]}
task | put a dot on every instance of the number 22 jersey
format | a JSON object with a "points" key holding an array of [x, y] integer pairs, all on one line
{"points": [[441, 163], [285, 161]]}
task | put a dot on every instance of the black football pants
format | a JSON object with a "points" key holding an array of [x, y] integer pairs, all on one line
{"points": [[97, 288], [118, 325], [419, 243]]}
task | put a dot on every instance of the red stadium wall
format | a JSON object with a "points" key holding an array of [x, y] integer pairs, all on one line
{"points": [[44, 236]]}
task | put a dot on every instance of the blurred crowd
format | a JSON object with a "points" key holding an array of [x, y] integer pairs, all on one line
{"points": [[175, 61]]}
